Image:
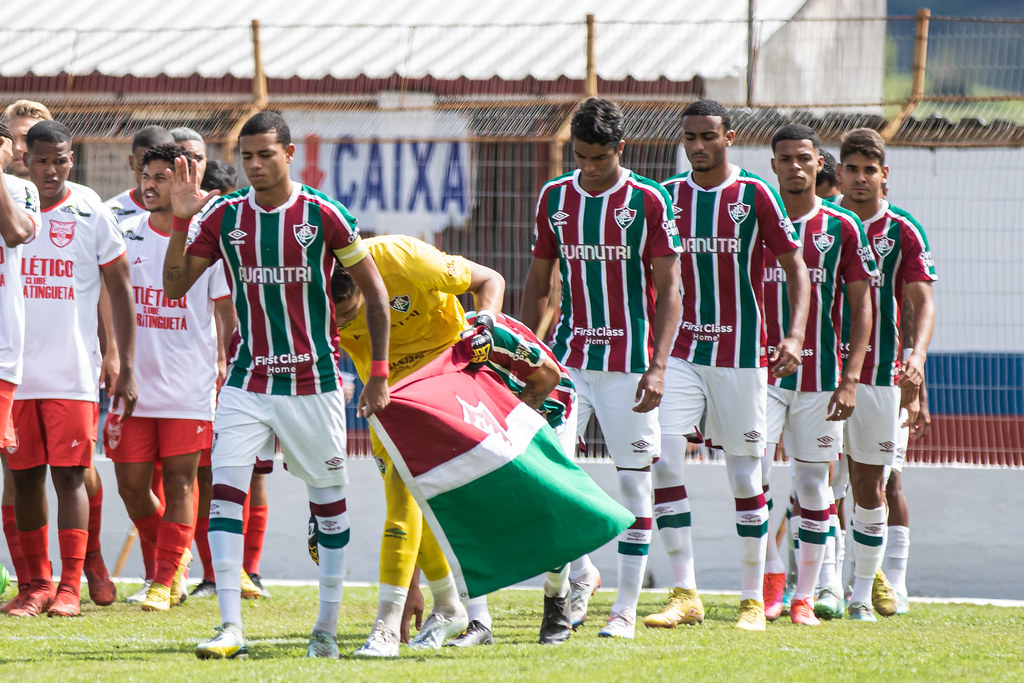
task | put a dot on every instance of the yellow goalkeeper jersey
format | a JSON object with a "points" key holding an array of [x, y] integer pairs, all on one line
{"points": [[426, 316]]}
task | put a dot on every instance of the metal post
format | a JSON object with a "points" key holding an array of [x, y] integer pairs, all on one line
{"points": [[590, 83], [917, 84], [751, 50], [260, 96]]}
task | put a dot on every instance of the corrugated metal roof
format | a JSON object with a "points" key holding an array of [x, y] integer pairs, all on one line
{"points": [[445, 39]]}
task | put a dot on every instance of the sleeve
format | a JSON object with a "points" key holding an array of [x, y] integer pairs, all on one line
{"points": [[218, 287], [511, 350], [435, 269], [917, 264], [857, 260], [26, 196], [545, 244], [341, 233], [206, 243], [662, 233], [109, 238], [777, 230]]}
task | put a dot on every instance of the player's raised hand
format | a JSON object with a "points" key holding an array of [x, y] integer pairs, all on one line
{"points": [[786, 359], [187, 198]]}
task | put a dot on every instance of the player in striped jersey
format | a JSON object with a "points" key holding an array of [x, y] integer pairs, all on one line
{"points": [[612, 236], [279, 241], [872, 440], [811, 403], [717, 376]]}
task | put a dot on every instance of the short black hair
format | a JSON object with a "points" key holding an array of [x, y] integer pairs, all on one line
{"points": [[152, 135], [864, 141], [707, 107], [166, 152], [828, 172], [598, 121], [47, 131], [343, 287], [796, 131], [267, 121], [220, 175]]}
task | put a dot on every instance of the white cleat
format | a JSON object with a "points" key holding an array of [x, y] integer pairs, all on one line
{"points": [[437, 630], [141, 595], [621, 625], [382, 643]]}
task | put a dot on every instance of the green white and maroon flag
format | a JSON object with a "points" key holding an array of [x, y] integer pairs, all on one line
{"points": [[490, 476]]}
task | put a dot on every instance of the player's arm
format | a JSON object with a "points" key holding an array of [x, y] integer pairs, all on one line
{"points": [[181, 270], [665, 271], [540, 383], [858, 294], [788, 353], [226, 319], [375, 394], [919, 294], [487, 287], [122, 305], [110, 365], [15, 225], [536, 292]]}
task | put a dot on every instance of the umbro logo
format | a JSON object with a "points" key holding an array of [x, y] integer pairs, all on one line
{"points": [[334, 464], [753, 436], [641, 446], [676, 210], [237, 236], [887, 446], [637, 536], [560, 215], [329, 524], [825, 441]]}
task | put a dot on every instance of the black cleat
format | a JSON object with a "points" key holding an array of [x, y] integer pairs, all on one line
{"points": [[204, 589], [556, 627], [476, 634]]}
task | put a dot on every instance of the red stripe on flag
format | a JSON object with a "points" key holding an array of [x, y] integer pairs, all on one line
{"points": [[670, 494]]}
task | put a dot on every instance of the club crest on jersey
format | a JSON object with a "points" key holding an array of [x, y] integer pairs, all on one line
{"points": [[624, 216], [824, 241], [401, 303], [305, 233], [883, 245], [738, 212], [61, 232]]}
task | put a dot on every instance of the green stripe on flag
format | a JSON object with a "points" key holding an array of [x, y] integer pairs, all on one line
{"points": [[333, 541], [751, 530], [232, 526], [674, 521], [864, 539], [637, 549]]}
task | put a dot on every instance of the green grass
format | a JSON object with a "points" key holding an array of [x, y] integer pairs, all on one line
{"points": [[934, 642]]}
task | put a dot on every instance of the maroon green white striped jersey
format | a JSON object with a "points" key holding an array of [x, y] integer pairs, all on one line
{"points": [[279, 265], [836, 251], [724, 231], [902, 253], [605, 245]]}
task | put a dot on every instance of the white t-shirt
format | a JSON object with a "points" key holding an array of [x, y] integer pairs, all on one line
{"points": [[61, 275], [12, 301], [124, 206], [175, 340]]}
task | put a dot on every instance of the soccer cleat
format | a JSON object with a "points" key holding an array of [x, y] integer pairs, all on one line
{"points": [[787, 597], [158, 598], [67, 603], [15, 602], [437, 629], [382, 643], [229, 643], [101, 589], [37, 600], [257, 581], [829, 604], [774, 586], [476, 634], [684, 607], [883, 597], [556, 626], [751, 615], [141, 594], [179, 582], [204, 589], [801, 612], [860, 611], [579, 596], [621, 625], [323, 644], [902, 601], [249, 589]]}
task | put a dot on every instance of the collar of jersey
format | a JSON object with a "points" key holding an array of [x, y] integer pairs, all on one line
{"points": [[623, 176], [296, 188], [810, 214], [734, 173]]}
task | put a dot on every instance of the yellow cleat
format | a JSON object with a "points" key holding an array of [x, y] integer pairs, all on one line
{"points": [[229, 643], [883, 595], [751, 615], [179, 584], [250, 591], [158, 598], [684, 607]]}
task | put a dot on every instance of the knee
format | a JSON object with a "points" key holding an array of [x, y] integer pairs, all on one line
{"points": [[67, 479]]}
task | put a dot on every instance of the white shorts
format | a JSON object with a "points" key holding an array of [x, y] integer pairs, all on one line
{"points": [[799, 417], [633, 439], [567, 435], [730, 403], [872, 431], [311, 430], [902, 443]]}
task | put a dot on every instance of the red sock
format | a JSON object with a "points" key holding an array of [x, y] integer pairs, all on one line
{"points": [[203, 547], [73, 543], [95, 517], [148, 528], [21, 567], [254, 533], [171, 543], [35, 545]]}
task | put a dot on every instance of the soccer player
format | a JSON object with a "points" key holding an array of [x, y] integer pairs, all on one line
{"points": [[173, 421], [57, 407], [195, 145], [19, 117], [422, 284], [811, 403], [717, 375], [827, 186], [611, 234], [906, 269], [129, 203], [279, 241], [529, 370]]}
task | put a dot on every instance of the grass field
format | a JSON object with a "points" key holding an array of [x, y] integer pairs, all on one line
{"points": [[934, 642]]}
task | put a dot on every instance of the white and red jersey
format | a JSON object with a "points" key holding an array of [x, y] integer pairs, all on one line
{"points": [[902, 253], [724, 232], [605, 245], [12, 301], [279, 265], [61, 277], [175, 339], [124, 206], [836, 251]]}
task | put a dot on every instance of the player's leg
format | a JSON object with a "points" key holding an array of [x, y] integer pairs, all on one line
{"points": [[448, 617], [328, 505], [21, 568], [584, 578], [101, 589], [478, 632], [256, 526], [777, 408], [897, 543], [204, 483]]}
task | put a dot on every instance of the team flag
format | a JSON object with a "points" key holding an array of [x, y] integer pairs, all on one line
{"points": [[502, 498]]}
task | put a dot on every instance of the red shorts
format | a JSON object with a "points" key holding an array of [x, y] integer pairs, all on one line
{"points": [[7, 437], [53, 431], [204, 457], [148, 439]]}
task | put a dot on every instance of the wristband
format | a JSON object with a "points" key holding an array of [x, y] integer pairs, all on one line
{"points": [[180, 224], [379, 368]]}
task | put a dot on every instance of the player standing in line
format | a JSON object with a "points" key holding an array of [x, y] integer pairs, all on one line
{"points": [[173, 421], [426, 318], [807, 407], [827, 186], [129, 203], [279, 240], [906, 269], [19, 117], [717, 375], [57, 408], [611, 234]]}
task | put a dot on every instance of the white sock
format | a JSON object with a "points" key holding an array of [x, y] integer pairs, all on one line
{"points": [[391, 604], [672, 510], [897, 552], [581, 568], [230, 487], [868, 548], [751, 522], [446, 596], [476, 610], [329, 507], [634, 542]]}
